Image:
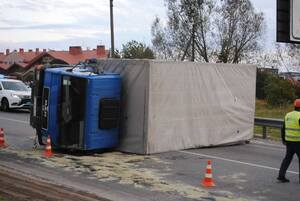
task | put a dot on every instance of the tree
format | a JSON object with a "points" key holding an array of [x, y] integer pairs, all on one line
{"points": [[293, 56], [238, 29], [208, 30], [288, 56], [261, 78], [137, 50], [117, 54], [161, 43], [187, 30], [293, 50]]}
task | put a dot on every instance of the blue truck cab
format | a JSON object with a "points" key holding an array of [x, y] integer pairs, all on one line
{"points": [[78, 109]]}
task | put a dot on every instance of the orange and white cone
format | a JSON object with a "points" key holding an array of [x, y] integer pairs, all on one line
{"points": [[2, 140], [208, 179], [48, 150]]}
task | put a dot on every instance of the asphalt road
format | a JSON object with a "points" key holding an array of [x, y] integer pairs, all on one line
{"points": [[17, 130], [19, 187], [247, 170]]}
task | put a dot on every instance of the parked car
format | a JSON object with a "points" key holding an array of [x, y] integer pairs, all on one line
{"points": [[14, 94]]}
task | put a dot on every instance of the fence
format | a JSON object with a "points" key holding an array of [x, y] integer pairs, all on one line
{"points": [[267, 122]]}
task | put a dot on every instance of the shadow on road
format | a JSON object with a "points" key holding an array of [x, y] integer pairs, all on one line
{"points": [[18, 111]]}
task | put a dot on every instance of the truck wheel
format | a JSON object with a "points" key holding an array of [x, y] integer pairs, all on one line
{"points": [[4, 105]]}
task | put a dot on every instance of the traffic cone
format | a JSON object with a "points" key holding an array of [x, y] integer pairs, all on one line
{"points": [[208, 180], [2, 140], [48, 150]]}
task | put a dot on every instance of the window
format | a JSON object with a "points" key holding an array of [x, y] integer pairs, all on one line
{"points": [[109, 113], [15, 86]]}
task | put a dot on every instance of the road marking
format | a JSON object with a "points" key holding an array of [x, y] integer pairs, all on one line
{"points": [[265, 143], [264, 147], [18, 121], [235, 161]]}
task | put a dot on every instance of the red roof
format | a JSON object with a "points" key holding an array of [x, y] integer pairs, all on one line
{"points": [[2, 57], [20, 57], [22, 65], [8, 66], [28, 56], [4, 66], [75, 58]]}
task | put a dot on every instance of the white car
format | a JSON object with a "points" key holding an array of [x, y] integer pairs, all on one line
{"points": [[14, 94]]}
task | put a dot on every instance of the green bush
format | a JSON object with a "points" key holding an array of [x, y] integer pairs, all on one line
{"points": [[297, 89], [275, 90], [278, 91], [137, 50], [260, 84]]}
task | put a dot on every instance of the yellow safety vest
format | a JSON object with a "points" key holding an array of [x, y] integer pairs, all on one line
{"points": [[292, 128]]}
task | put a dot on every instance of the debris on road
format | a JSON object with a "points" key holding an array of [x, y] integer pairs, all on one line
{"points": [[125, 169]]}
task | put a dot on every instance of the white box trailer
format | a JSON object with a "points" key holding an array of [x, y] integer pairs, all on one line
{"points": [[171, 106]]}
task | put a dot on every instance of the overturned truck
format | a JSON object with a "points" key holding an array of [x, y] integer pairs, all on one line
{"points": [[169, 106], [165, 106]]}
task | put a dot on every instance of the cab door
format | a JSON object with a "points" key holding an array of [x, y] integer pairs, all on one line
{"points": [[72, 112]]}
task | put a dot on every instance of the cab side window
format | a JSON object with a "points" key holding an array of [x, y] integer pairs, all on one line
{"points": [[0, 86]]}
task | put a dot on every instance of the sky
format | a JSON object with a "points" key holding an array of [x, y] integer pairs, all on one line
{"points": [[58, 24]]}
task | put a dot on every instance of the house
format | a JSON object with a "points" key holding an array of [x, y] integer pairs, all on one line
{"points": [[3, 66], [2, 57], [271, 70], [16, 61], [22, 64], [290, 75], [71, 57]]}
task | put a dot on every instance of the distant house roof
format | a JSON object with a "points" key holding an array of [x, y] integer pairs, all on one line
{"points": [[14, 66], [21, 56], [4, 66], [28, 56], [74, 55], [2, 57], [74, 59], [28, 59], [22, 65]]}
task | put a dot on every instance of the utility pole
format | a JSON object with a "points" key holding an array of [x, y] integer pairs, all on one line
{"points": [[112, 37], [193, 42]]}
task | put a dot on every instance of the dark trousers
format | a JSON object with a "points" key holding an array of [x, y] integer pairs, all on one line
{"points": [[291, 149]]}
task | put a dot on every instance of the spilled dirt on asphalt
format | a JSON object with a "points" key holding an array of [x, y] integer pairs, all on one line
{"points": [[126, 169]]}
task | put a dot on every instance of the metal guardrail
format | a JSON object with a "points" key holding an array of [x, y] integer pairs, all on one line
{"points": [[267, 122]]}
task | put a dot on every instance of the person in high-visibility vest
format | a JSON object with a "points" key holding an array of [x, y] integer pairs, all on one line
{"points": [[290, 134]]}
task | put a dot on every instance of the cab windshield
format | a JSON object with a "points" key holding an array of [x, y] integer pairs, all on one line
{"points": [[15, 86]]}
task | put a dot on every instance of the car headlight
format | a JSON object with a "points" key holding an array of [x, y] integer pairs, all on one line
{"points": [[16, 96]]}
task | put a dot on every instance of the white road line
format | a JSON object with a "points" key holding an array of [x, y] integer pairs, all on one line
{"points": [[18, 121], [265, 143], [235, 161], [269, 148]]}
